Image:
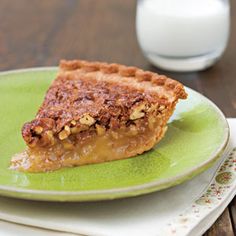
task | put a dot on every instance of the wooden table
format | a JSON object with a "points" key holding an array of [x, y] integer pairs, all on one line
{"points": [[40, 33]]}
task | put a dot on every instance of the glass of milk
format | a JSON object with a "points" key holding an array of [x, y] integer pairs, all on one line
{"points": [[183, 35]]}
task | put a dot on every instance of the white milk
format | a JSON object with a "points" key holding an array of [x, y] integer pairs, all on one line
{"points": [[176, 30]]}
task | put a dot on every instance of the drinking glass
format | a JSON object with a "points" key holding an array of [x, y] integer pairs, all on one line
{"points": [[183, 35]]}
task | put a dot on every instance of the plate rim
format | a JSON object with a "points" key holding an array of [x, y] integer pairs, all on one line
{"points": [[104, 194]]}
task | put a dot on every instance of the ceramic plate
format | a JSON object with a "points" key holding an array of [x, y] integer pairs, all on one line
{"points": [[197, 135]]}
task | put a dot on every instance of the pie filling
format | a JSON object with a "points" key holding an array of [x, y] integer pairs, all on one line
{"points": [[92, 148]]}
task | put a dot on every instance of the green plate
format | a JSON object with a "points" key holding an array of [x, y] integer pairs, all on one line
{"points": [[197, 135]]}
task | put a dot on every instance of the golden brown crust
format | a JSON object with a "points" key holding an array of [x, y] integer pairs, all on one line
{"points": [[126, 71], [86, 94]]}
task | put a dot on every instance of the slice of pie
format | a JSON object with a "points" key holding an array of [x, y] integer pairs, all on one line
{"points": [[95, 112]]}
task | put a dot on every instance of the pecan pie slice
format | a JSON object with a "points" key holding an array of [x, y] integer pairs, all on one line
{"points": [[95, 112]]}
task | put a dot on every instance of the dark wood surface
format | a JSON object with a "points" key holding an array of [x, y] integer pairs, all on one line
{"points": [[40, 33]]}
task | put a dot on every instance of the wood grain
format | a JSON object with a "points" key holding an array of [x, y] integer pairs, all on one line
{"points": [[222, 227], [232, 210], [40, 33]]}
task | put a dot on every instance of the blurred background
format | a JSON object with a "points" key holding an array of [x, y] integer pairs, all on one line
{"points": [[40, 33]]}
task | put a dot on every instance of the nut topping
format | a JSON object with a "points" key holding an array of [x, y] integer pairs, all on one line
{"points": [[161, 107], [67, 128], [73, 122], [38, 129], [94, 98], [86, 119], [138, 112], [75, 130], [64, 133], [152, 108]]}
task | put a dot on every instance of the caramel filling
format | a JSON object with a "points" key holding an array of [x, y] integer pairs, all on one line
{"points": [[90, 147]]}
